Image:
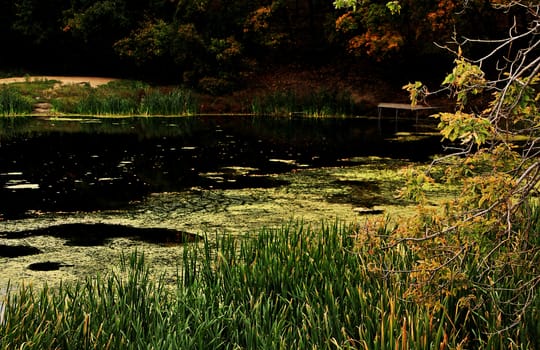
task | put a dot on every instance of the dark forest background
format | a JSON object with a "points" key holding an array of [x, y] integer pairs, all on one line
{"points": [[215, 44]]}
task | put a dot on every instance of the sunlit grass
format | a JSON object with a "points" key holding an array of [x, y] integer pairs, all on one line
{"points": [[289, 288]]}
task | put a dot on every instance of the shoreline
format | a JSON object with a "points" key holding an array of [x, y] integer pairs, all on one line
{"points": [[64, 80]]}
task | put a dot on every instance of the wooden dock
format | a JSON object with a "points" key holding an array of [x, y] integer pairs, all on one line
{"points": [[402, 106]]}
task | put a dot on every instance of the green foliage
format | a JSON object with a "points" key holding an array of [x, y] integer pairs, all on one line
{"points": [[417, 92], [150, 40], [465, 79], [89, 21], [520, 101], [339, 4], [394, 7], [35, 20], [228, 51], [466, 127], [416, 184], [123, 97]]}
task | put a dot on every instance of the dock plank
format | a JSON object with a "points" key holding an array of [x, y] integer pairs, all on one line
{"points": [[405, 106], [402, 106]]}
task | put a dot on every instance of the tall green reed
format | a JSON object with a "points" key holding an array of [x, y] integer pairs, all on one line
{"points": [[316, 103], [293, 287], [13, 102], [174, 102], [99, 104], [127, 99]]}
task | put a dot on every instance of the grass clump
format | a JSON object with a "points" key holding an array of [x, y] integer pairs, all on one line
{"points": [[123, 98], [96, 103], [113, 98], [174, 102], [290, 288], [318, 103], [13, 102]]}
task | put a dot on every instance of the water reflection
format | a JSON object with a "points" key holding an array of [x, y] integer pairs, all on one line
{"points": [[98, 164]]}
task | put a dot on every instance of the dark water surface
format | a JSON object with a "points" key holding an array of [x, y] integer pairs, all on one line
{"points": [[75, 193], [102, 164]]}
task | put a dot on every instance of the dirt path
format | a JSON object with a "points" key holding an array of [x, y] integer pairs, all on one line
{"points": [[44, 108], [64, 80]]}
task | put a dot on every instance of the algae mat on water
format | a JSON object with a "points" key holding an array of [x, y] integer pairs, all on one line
{"points": [[349, 193]]}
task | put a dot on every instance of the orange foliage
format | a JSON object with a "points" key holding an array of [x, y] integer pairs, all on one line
{"points": [[346, 23], [375, 44], [258, 20], [442, 17]]}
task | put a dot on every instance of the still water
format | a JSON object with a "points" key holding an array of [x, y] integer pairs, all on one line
{"points": [[76, 192]]}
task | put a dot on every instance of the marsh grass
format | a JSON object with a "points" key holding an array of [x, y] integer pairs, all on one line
{"points": [[123, 97], [14, 102], [66, 97], [20, 98], [128, 97], [96, 103], [317, 103], [289, 288], [113, 98], [173, 102], [35, 88]]}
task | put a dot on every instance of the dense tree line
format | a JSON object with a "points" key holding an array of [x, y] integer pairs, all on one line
{"points": [[211, 43]]}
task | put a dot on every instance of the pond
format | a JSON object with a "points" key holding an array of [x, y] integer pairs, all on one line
{"points": [[75, 193]]}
